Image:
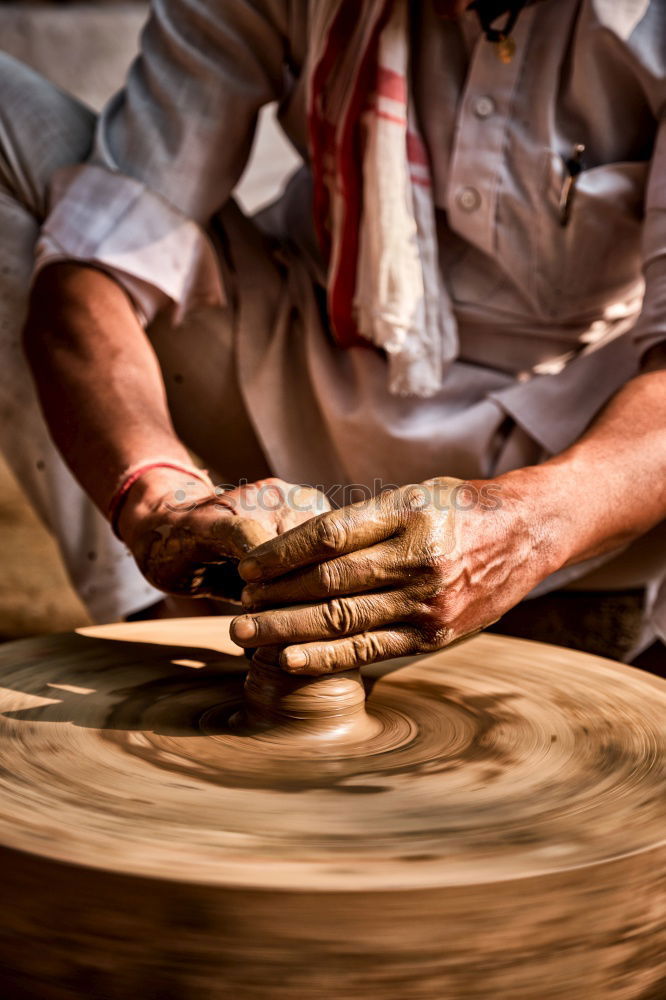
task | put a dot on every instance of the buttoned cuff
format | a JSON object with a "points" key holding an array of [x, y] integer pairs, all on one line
{"points": [[114, 222]]}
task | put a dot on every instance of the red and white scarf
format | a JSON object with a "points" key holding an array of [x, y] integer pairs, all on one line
{"points": [[374, 206]]}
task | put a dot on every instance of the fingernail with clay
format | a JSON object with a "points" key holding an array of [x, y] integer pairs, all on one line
{"points": [[244, 629], [249, 569], [295, 659]]}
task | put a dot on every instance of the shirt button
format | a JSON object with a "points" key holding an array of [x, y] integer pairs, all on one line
{"points": [[469, 199], [484, 107]]}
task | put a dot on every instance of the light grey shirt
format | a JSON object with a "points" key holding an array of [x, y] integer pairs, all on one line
{"points": [[552, 319], [528, 292]]}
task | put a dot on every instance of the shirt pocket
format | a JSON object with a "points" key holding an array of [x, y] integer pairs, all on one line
{"points": [[594, 260]]}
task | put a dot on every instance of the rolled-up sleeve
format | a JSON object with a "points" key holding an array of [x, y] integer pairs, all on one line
{"points": [[650, 329], [169, 149]]}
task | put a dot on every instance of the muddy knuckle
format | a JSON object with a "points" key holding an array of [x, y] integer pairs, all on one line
{"points": [[366, 648], [329, 660], [328, 575], [339, 617], [415, 498], [331, 534]]}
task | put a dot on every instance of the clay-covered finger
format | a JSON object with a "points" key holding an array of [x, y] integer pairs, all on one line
{"points": [[206, 538], [199, 557], [373, 568], [236, 535], [311, 622], [352, 652], [324, 537]]}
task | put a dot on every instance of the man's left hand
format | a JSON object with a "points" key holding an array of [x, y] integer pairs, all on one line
{"points": [[410, 571]]}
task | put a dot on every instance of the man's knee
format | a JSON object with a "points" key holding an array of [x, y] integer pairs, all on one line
{"points": [[41, 129]]}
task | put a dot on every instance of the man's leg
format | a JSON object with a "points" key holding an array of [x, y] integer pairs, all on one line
{"points": [[42, 129]]}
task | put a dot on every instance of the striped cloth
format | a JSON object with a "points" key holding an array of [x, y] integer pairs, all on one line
{"points": [[374, 207]]}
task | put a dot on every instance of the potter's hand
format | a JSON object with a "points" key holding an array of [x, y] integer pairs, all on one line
{"points": [[413, 570], [190, 545]]}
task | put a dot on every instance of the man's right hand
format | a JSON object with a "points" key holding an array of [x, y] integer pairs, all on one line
{"points": [[103, 397], [188, 541]]}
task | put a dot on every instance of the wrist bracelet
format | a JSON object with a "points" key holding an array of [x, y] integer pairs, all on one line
{"points": [[134, 473]]}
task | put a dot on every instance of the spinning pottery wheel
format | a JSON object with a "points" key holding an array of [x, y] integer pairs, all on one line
{"points": [[490, 824]]}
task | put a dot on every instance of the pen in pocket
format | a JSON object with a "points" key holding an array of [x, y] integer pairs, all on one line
{"points": [[574, 167]]}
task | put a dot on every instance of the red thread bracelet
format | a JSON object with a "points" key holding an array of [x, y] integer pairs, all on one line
{"points": [[118, 499]]}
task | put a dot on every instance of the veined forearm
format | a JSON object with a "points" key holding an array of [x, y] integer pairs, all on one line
{"points": [[610, 487], [97, 376]]}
